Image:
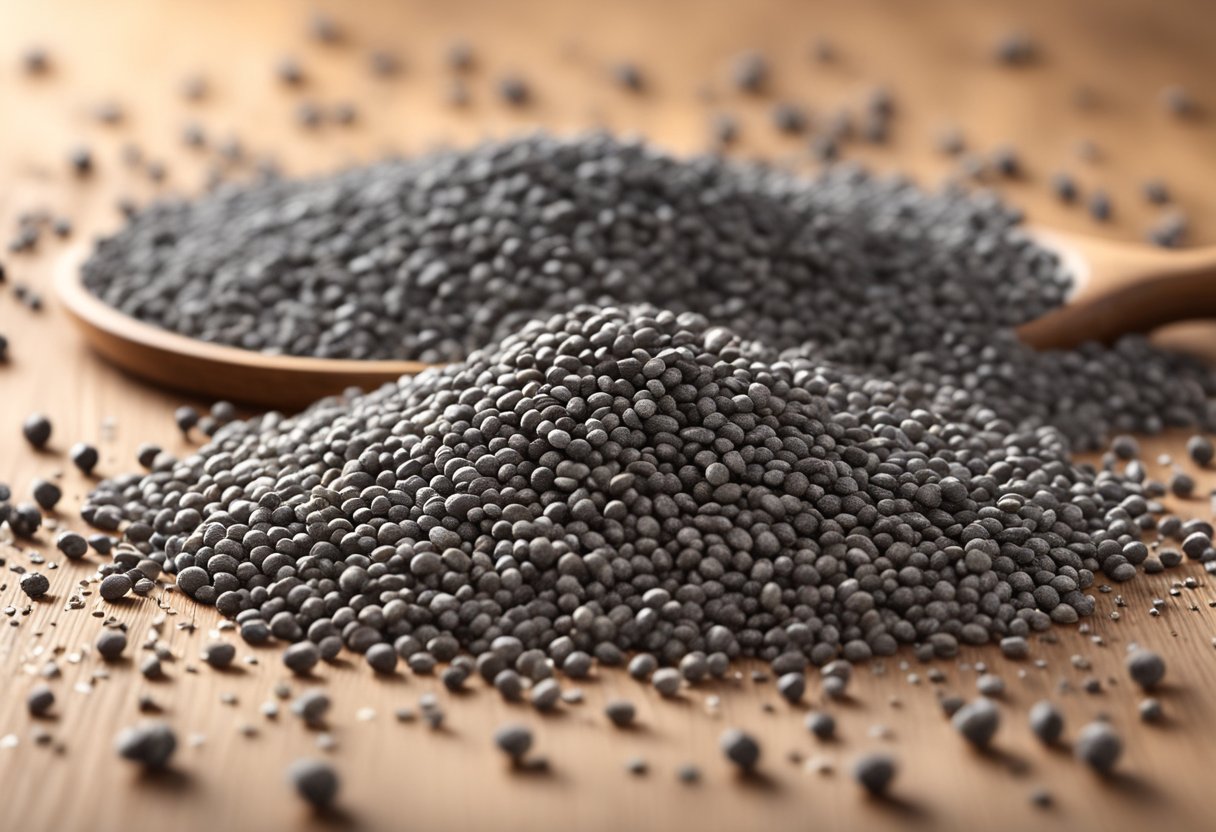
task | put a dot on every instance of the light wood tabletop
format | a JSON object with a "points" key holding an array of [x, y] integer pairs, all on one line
{"points": [[61, 773]]}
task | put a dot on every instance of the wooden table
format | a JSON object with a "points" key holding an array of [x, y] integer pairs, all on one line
{"points": [[934, 57]]}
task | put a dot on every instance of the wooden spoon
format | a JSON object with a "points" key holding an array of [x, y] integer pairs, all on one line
{"points": [[1120, 288], [213, 371]]}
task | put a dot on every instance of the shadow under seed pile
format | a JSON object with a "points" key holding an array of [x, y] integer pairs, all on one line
{"points": [[868, 458]]}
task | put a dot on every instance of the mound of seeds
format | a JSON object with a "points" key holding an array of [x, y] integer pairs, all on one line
{"points": [[632, 478], [434, 257]]}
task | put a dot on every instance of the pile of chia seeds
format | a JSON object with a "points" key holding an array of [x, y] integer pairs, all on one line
{"points": [[433, 257], [796, 423]]}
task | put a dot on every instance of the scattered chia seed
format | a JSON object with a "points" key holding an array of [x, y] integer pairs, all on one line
{"points": [[514, 740], [874, 772], [1047, 722], [1146, 668], [39, 700], [37, 430], [792, 687], [978, 721], [1098, 746], [620, 712], [1016, 48], [1100, 206], [151, 744], [514, 90], [219, 654], [1151, 711], [1064, 186], [300, 658], [46, 494], [1156, 192], [315, 781], [114, 587], [750, 73], [821, 724], [35, 585], [740, 748], [311, 706], [72, 545], [84, 457]]}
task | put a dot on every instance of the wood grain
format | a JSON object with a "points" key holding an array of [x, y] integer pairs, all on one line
{"points": [[1123, 288], [934, 56]]}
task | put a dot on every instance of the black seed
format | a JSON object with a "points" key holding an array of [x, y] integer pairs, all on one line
{"points": [[37, 430]]}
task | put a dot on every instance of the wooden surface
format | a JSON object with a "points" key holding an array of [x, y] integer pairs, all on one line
{"points": [[933, 56], [1123, 288]]}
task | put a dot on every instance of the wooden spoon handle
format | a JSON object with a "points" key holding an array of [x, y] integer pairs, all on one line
{"points": [[1125, 289]]}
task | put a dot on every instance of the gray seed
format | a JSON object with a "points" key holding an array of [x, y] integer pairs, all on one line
{"points": [[255, 632], [792, 686], [150, 667], [382, 658], [509, 685], [219, 654], [111, 643], [1100, 206], [46, 494], [751, 72], [35, 585], [740, 748], [84, 456], [151, 744], [1146, 668], [834, 687], [666, 681], [1098, 746], [1016, 48], [694, 667], [37, 430], [1064, 187], [1150, 710], [1181, 485], [39, 700], [1156, 192], [73, 545], [514, 90], [688, 774], [311, 706], [577, 665], [1015, 647], [113, 587], [875, 771], [315, 781], [989, 685], [546, 694], [1047, 722], [620, 712], [514, 740], [454, 677], [821, 724], [300, 658], [978, 722], [642, 666]]}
